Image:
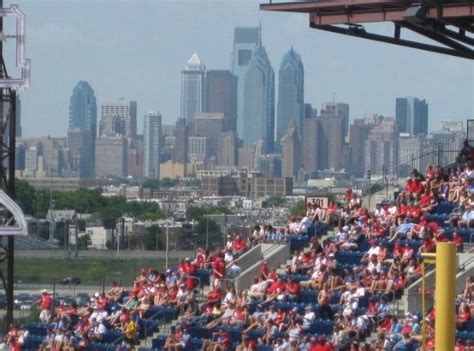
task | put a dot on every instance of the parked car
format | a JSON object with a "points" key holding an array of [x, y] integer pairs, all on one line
{"points": [[70, 281]]}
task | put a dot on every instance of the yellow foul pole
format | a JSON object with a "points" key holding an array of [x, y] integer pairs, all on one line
{"points": [[445, 295]]}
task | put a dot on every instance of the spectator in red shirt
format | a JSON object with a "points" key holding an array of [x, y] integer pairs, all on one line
{"points": [[247, 344], [293, 290], [215, 295], [220, 341], [264, 271], [218, 269], [239, 244], [45, 302], [457, 239]]}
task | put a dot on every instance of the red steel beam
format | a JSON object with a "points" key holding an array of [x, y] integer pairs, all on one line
{"points": [[321, 19], [329, 5]]}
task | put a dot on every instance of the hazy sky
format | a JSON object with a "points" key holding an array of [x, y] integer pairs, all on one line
{"points": [[136, 50]]}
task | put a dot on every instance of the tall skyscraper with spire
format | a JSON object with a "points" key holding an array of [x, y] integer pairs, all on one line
{"points": [[259, 101], [246, 40], [290, 92], [193, 88]]}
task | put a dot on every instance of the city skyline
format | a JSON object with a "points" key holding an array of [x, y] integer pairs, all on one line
{"points": [[154, 83]]}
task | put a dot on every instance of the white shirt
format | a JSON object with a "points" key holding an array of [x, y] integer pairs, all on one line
{"points": [[374, 250], [308, 319], [305, 224]]}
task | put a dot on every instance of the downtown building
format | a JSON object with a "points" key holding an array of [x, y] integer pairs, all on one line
{"points": [[337, 109], [193, 80], [259, 101], [111, 156], [246, 40], [381, 148], [358, 134], [411, 115], [82, 130], [291, 147], [246, 184], [221, 96], [118, 118], [152, 145], [209, 126], [290, 93]]}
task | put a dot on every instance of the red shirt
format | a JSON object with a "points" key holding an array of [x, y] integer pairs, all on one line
{"points": [[425, 200], [407, 253], [458, 240], [190, 282], [264, 271], [250, 344], [428, 245], [239, 245], [45, 302], [293, 288], [273, 275], [225, 339], [218, 268]]}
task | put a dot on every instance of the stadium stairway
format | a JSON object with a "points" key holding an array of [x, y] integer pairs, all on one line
{"points": [[33, 242]]}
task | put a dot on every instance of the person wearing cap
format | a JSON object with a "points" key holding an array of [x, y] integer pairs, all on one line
{"points": [[45, 303]]}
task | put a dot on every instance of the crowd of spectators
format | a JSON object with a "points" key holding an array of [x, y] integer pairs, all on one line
{"points": [[351, 299]]}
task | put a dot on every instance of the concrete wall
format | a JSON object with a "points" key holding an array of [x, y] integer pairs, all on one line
{"points": [[275, 254]]}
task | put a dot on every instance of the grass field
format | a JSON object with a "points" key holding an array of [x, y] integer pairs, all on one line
{"points": [[90, 269]]}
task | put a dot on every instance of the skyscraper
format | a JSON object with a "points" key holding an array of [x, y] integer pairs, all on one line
{"points": [[227, 147], [180, 149], [152, 145], [221, 92], [291, 147], [359, 132], [381, 147], [332, 139], [192, 88], [118, 118], [311, 144], [80, 148], [411, 115], [111, 159], [210, 126], [337, 109], [83, 115], [83, 108], [259, 101], [246, 40], [290, 92]]}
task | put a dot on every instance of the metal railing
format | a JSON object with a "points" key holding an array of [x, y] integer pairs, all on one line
{"points": [[442, 154]]}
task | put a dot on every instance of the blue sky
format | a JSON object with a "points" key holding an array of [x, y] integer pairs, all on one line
{"points": [[136, 50]]}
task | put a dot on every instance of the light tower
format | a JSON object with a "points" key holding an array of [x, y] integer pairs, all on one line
{"points": [[8, 97]]}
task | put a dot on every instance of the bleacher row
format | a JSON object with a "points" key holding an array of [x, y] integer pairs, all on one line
{"points": [[345, 259], [148, 326]]}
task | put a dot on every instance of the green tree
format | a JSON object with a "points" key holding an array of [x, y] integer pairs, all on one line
{"points": [[274, 201], [25, 196], [194, 182], [208, 228], [298, 208], [153, 238], [84, 241]]}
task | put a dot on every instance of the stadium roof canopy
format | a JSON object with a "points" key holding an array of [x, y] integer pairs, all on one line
{"points": [[448, 23]]}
